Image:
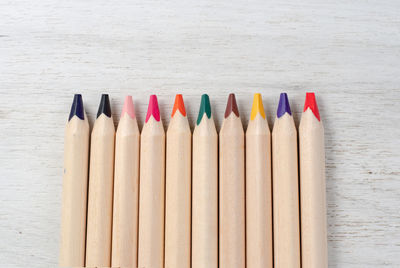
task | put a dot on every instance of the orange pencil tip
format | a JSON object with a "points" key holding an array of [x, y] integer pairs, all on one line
{"points": [[179, 105]]}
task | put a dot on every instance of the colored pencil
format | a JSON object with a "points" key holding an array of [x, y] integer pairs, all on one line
{"points": [[152, 189], [126, 189], [178, 188], [101, 175], [232, 189], [205, 189], [312, 186], [285, 188], [258, 189], [74, 198]]}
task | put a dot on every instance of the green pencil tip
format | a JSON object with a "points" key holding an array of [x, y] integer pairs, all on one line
{"points": [[205, 107]]}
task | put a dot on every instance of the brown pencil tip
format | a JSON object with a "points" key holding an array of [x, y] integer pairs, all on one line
{"points": [[231, 106]]}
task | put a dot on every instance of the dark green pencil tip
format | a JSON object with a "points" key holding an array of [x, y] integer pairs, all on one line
{"points": [[205, 108], [104, 107]]}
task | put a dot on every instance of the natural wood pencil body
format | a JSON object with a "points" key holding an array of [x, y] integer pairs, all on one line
{"points": [[205, 195], [178, 193], [98, 244], [258, 194], [231, 194], [312, 186], [74, 200], [285, 193], [126, 194], [152, 188]]}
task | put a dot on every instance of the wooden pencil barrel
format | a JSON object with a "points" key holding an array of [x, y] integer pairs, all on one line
{"points": [[126, 194], [101, 174], [205, 195], [313, 189], [178, 193], [285, 193], [74, 197], [258, 195], [231, 194], [151, 196]]}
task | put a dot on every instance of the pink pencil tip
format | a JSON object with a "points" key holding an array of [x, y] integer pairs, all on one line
{"points": [[128, 107], [153, 109]]}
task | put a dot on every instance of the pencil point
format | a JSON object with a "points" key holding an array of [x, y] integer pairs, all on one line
{"points": [[312, 104], [77, 108], [128, 107], [258, 107], [153, 109], [104, 107], [205, 108], [231, 106], [179, 105], [283, 106]]}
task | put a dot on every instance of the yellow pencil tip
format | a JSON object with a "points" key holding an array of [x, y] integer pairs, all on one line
{"points": [[257, 107]]}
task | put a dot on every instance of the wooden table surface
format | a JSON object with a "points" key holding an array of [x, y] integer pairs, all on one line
{"points": [[348, 52]]}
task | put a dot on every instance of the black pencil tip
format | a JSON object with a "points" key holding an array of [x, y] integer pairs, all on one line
{"points": [[77, 108], [104, 107]]}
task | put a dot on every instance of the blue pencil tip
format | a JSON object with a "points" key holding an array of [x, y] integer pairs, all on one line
{"points": [[283, 106], [77, 108]]}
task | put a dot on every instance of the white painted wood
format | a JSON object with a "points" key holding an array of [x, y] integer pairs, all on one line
{"points": [[347, 51]]}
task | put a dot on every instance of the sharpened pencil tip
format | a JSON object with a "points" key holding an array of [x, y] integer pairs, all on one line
{"points": [[77, 108], [153, 109], [179, 105], [128, 107], [258, 107], [283, 106], [104, 107], [205, 108], [311, 103], [231, 106]]}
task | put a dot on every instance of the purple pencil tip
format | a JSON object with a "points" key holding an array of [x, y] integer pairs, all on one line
{"points": [[283, 106]]}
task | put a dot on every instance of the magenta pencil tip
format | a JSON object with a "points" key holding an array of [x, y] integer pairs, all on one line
{"points": [[153, 109]]}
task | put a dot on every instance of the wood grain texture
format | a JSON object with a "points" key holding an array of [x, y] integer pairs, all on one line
{"points": [[347, 51]]}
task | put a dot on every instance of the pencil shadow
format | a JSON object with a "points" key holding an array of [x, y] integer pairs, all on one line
{"points": [[331, 195]]}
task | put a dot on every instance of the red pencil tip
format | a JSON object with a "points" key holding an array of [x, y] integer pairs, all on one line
{"points": [[312, 104], [153, 109], [179, 105], [231, 106]]}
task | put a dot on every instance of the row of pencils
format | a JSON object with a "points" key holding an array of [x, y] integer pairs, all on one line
{"points": [[229, 199]]}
